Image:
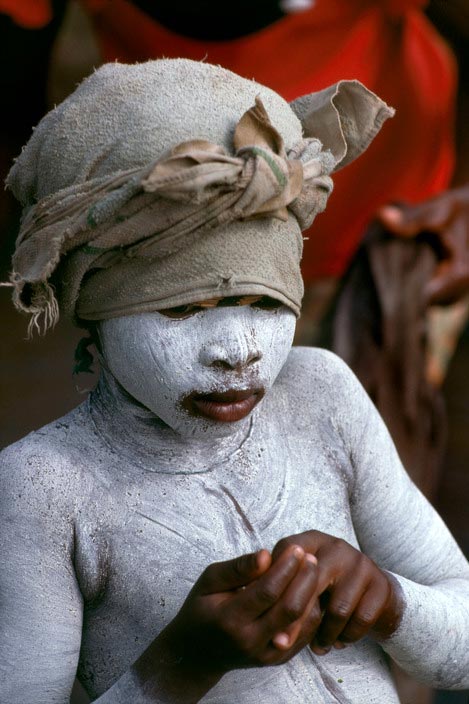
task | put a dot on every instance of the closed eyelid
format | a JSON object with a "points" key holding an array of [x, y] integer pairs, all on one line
{"points": [[267, 303], [181, 312], [186, 311]]}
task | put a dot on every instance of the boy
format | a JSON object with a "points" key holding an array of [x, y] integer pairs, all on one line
{"points": [[221, 501]]}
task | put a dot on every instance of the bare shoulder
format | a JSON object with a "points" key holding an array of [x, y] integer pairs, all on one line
{"points": [[45, 466], [315, 371], [319, 388]]}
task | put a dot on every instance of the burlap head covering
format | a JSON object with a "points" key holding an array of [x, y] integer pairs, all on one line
{"points": [[165, 183]]}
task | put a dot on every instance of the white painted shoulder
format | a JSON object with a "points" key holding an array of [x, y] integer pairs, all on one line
{"points": [[315, 369], [42, 467]]}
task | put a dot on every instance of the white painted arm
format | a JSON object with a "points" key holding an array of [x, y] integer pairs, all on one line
{"points": [[40, 603], [402, 533], [41, 606]]}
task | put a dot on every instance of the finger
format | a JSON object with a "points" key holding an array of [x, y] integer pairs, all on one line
{"points": [[261, 595], [447, 287], [309, 541], [334, 551], [365, 615], [338, 645], [451, 279], [302, 631], [341, 605], [232, 574], [408, 221], [286, 620]]}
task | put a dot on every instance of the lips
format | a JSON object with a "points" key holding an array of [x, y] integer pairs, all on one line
{"points": [[224, 407]]}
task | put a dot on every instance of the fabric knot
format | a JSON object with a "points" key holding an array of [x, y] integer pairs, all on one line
{"points": [[106, 245], [150, 212], [266, 180]]}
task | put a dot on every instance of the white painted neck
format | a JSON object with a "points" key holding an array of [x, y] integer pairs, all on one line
{"points": [[133, 432]]}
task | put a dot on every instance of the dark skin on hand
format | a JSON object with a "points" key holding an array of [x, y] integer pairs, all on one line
{"points": [[447, 217], [261, 609]]}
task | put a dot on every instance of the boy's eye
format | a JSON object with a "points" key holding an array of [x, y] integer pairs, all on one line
{"points": [[267, 303], [180, 312]]}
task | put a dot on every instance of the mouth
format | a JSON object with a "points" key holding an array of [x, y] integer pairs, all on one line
{"points": [[224, 407]]}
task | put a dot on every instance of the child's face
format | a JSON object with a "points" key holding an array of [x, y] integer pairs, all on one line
{"points": [[203, 372]]}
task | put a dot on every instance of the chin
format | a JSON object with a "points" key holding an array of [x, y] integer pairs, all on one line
{"points": [[199, 428]]}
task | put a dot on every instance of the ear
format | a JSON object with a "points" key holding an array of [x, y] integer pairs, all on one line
{"points": [[345, 117]]}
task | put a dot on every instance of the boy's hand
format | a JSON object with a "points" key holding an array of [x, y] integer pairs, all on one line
{"points": [[356, 597], [237, 607]]}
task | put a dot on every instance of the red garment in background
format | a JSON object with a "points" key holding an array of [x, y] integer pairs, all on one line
{"points": [[387, 44], [30, 14]]}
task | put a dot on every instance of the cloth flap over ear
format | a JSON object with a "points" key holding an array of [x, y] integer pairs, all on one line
{"points": [[345, 117]]}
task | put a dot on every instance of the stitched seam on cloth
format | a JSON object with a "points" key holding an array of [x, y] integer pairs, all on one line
{"points": [[92, 250], [281, 178]]}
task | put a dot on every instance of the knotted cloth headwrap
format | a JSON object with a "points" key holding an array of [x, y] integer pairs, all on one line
{"points": [[126, 242]]}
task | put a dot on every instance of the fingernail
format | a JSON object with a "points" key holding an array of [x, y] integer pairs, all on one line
{"points": [[298, 552], [262, 559], [338, 645], [281, 640], [391, 213], [320, 651], [311, 558]]}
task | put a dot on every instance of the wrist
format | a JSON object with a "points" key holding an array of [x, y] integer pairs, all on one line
{"points": [[391, 616], [167, 671]]}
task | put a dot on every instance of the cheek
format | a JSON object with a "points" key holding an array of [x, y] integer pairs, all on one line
{"points": [[285, 330], [157, 361], [276, 336], [154, 361], [129, 357], [172, 357]]}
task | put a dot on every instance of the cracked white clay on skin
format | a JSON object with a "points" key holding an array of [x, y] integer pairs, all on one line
{"points": [[149, 509], [109, 515], [164, 362]]}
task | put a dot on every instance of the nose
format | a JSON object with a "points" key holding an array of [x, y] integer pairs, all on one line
{"points": [[230, 354]]}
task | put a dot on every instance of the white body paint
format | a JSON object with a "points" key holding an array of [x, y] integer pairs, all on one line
{"points": [[109, 515], [213, 350]]}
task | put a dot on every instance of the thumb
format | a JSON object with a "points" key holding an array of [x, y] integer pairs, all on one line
{"points": [[232, 574]]}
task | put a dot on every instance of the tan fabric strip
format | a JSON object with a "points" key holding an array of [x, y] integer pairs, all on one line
{"points": [[150, 212]]}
